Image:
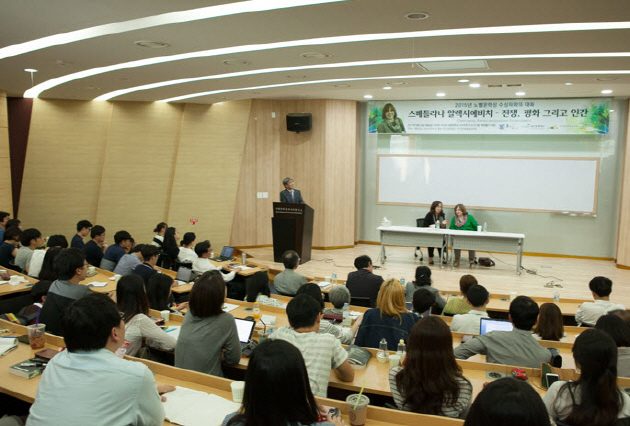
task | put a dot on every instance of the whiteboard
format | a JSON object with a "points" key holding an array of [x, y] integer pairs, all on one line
{"points": [[494, 183]]}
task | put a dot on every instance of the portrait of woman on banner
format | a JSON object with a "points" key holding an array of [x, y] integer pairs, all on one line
{"points": [[391, 123]]}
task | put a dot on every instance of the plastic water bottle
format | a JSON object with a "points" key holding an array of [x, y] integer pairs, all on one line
{"points": [[485, 227], [121, 351], [256, 311], [556, 297], [382, 356], [334, 277], [346, 311], [243, 258], [402, 350], [402, 281]]}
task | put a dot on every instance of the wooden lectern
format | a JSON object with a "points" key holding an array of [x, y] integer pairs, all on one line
{"points": [[292, 226]]}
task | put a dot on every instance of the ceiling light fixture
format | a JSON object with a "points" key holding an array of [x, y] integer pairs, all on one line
{"points": [[474, 85], [463, 81], [31, 70], [416, 16], [520, 93], [568, 84], [440, 94], [387, 88], [607, 91], [368, 96]]}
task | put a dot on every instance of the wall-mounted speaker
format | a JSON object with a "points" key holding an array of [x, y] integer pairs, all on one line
{"points": [[299, 122]]}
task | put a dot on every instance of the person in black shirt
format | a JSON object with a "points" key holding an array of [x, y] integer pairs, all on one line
{"points": [[363, 283], [83, 230], [95, 248], [147, 268], [9, 247]]}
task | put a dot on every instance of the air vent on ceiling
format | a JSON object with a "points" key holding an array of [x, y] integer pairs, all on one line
{"points": [[454, 65], [495, 86]]}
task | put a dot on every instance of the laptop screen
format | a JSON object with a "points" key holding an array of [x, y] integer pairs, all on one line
{"points": [[227, 251], [245, 328], [488, 324], [183, 274]]}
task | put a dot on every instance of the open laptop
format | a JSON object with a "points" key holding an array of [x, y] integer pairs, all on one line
{"points": [[488, 324], [245, 329], [183, 274], [226, 254]]}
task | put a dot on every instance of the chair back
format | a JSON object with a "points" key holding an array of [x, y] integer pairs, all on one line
{"points": [[360, 301], [108, 265]]}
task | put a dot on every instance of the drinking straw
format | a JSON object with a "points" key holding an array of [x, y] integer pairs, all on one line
{"points": [[360, 393], [37, 320]]}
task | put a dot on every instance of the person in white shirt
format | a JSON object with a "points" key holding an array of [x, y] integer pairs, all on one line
{"points": [[203, 264], [186, 252], [87, 384], [589, 312], [160, 229], [37, 259], [478, 298]]}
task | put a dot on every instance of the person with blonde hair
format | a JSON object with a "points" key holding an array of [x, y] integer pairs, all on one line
{"points": [[390, 320]]}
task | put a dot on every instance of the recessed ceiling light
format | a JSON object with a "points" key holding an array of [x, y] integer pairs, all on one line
{"points": [[368, 96], [463, 81], [520, 93], [568, 84], [416, 16], [30, 70], [474, 85], [316, 55], [440, 94], [343, 85], [387, 88], [151, 44], [607, 91], [235, 62]]}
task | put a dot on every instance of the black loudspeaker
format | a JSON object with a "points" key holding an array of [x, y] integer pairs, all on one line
{"points": [[299, 122]]}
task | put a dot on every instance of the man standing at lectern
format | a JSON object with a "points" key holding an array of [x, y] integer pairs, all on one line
{"points": [[290, 195]]}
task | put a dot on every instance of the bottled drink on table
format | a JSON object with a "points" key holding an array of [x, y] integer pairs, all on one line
{"points": [[334, 277], [256, 311], [346, 311], [382, 356], [402, 350]]}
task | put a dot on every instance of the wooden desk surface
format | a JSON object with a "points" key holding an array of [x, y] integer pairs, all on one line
{"points": [[185, 288], [22, 287]]}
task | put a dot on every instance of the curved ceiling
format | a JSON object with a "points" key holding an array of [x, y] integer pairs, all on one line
{"points": [[335, 50]]}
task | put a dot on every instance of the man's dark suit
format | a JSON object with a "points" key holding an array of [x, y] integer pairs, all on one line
{"points": [[285, 197], [363, 283]]}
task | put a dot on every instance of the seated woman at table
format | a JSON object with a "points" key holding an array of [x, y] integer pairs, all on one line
{"points": [[133, 305], [462, 221], [616, 328], [338, 296], [594, 399], [208, 334], [160, 294], [47, 272], [423, 280], [277, 390], [389, 320], [170, 250], [459, 305], [186, 251], [435, 217], [257, 288], [549, 325], [431, 381]]}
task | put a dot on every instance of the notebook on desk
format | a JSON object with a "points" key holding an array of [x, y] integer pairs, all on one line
{"points": [[226, 254], [245, 329]]}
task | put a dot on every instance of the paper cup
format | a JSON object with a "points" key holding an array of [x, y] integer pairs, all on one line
{"points": [[15, 279], [327, 279], [166, 315], [479, 228], [394, 361], [513, 295], [238, 388], [92, 269], [36, 335], [357, 412]]}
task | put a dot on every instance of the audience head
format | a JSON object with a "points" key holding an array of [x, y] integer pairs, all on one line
{"points": [[70, 263], [83, 228], [423, 276], [549, 326], [160, 228], [363, 262], [189, 238], [131, 297], [601, 286], [4, 217], [314, 291], [477, 296], [257, 284], [465, 282], [429, 375], [623, 314], [616, 328], [40, 290], [31, 237], [290, 259], [17, 223], [170, 237], [138, 248], [92, 323], [423, 300], [508, 402], [202, 248], [159, 291], [48, 265], [150, 253], [122, 238], [207, 295], [303, 311], [338, 295], [13, 234], [57, 241], [277, 388], [524, 312], [391, 298], [97, 231]]}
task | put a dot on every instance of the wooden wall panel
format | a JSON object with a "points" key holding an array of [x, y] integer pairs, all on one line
{"points": [[6, 199], [135, 187], [623, 233], [206, 180], [63, 164]]}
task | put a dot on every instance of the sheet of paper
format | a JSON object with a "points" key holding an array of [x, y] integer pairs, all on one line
{"points": [[173, 330], [189, 407], [227, 307], [97, 284]]}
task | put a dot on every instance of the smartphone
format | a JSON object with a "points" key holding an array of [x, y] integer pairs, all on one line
{"points": [[551, 378]]}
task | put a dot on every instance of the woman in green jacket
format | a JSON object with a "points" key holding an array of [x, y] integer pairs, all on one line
{"points": [[463, 221]]}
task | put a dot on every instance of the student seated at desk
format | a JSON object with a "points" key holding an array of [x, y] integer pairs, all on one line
{"points": [[549, 326], [122, 240], [203, 264], [616, 328], [363, 282], [160, 229], [589, 312], [288, 281], [389, 320], [130, 261], [594, 399], [186, 253], [147, 268], [87, 384], [277, 390], [257, 287], [31, 239], [431, 381], [338, 296], [321, 352], [207, 334], [160, 294], [459, 305], [508, 402], [96, 247], [423, 280], [37, 260], [47, 271], [422, 302], [516, 347], [133, 305], [477, 298], [38, 293], [10, 246], [71, 268], [170, 250]]}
